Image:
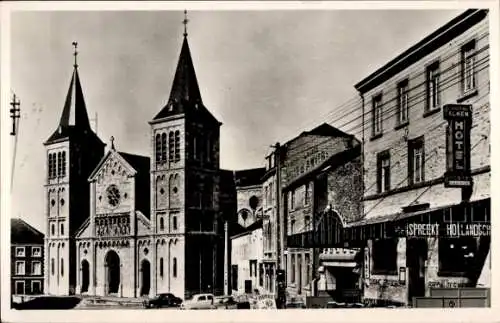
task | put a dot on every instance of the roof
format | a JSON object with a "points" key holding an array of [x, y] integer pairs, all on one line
{"points": [[185, 97], [140, 163], [22, 232], [249, 177], [252, 227], [438, 38], [326, 130], [74, 118]]}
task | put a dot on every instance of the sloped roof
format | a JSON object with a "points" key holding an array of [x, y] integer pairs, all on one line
{"points": [[185, 97], [74, 118], [140, 163], [22, 232], [248, 177]]}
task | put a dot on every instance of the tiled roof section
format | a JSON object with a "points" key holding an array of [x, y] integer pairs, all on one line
{"points": [[140, 163], [239, 230], [249, 177], [185, 94], [74, 117], [22, 232]]}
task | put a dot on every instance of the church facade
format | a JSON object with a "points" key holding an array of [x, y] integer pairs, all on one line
{"points": [[127, 225]]}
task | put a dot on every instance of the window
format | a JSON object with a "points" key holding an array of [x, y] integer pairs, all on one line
{"points": [[52, 229], [161, 267], [158, 148], [383, 172], [20, 252], [292, 199], [52, 162], [20, 288], [63, 166], [209, 149], [456, 255], [292, 226], [36, 287], [292, 271], [36, 268], [306, 195], [171, 146], [234, 277], [433, 86], [384, 255], [468, 67], [163, 148], [162, 224], [52, 266], [177, 146], [20, 267], [174, 269], [194, 148], [174, 222], [377, 115], [261, 275], [59, 164], [62, 267], [62, 228], [416, 160], [36, 251], [403, 102]]}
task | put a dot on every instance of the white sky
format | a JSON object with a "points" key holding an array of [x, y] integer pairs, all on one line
{"points": [[267, 75]]}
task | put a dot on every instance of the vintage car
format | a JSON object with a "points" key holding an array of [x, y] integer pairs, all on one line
{"points": [[199, 302], [163, 300], [225, 302]]}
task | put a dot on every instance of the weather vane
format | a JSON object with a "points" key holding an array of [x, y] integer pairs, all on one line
{"points": [[75, 44], [185, 22]]}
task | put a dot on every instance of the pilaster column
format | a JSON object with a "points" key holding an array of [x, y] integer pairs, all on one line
{"points": [[226, 259]]}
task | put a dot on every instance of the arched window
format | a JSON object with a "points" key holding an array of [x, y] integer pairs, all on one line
{"points": [[53, 229], [164, 147], [174, 269], [174, 222], [158, 148], [162, 224], [52, 266], [62, 228], [161, 267], [62, 267], [63, 166], [177, 146], [171, 146], [50, 166], [59, 164]]}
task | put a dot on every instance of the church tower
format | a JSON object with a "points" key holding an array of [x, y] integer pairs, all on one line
{"points": [[185, 186], [72, 152]]}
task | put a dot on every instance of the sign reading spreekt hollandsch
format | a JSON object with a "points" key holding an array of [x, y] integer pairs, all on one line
{"points": [[459, 117]]}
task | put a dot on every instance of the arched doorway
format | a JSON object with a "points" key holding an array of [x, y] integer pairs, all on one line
{"points": [[146, 277], [113, 272], [85, 276]]}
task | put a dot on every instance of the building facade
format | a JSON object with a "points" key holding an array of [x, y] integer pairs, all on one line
{"points": [[27, 264], [422, 231], [144, 225], [322, 186]]}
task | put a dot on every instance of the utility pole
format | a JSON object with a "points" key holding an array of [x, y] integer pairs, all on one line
{"points": [[15, 113]]}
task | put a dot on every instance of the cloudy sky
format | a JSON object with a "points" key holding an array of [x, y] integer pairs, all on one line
{"points": [[266, 75]]}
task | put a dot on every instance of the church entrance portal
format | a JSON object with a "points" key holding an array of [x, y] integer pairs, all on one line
{"points": [[85, 276], [146, 277], [113, 272]]}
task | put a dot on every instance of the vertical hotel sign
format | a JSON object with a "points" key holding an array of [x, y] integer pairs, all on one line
{"points": [[459, 117]]}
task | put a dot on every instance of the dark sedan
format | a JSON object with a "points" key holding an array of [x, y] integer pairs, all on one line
{"points": [[161, 300]]}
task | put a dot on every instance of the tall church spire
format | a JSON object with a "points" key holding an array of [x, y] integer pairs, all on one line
{"points": [[74, 114]]}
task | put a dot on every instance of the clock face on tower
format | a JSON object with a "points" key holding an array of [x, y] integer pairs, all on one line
{"points": [[113, 194]]}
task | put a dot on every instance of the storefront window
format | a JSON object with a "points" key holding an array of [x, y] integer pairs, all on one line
{"points": [[384, 253], [456, 255]]}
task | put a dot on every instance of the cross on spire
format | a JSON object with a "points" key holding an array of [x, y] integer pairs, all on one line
{"points": [[75, 53], [112, 139], [185, 22]]}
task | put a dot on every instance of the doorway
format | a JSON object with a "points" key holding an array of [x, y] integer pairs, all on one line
{"points": [[85, 276], [416, 255], [146, 277], [113, 272]]}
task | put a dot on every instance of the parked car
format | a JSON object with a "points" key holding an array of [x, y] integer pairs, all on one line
{"points": [[335, 305], [225, 302], [295, 305], [199, 302], [161, 300]]}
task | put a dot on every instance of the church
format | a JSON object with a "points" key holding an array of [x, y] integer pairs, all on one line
{"points": [[126, 225]]}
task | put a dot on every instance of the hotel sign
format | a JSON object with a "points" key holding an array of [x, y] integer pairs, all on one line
{"points": [[459, 117]]}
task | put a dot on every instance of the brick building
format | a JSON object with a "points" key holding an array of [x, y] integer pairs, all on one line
{"points": [[411, 209], [321, 169], [26, 254]]}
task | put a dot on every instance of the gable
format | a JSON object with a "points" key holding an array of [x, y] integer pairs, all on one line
{"points": [[143, 224], [84, 231], [112, 164]]}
